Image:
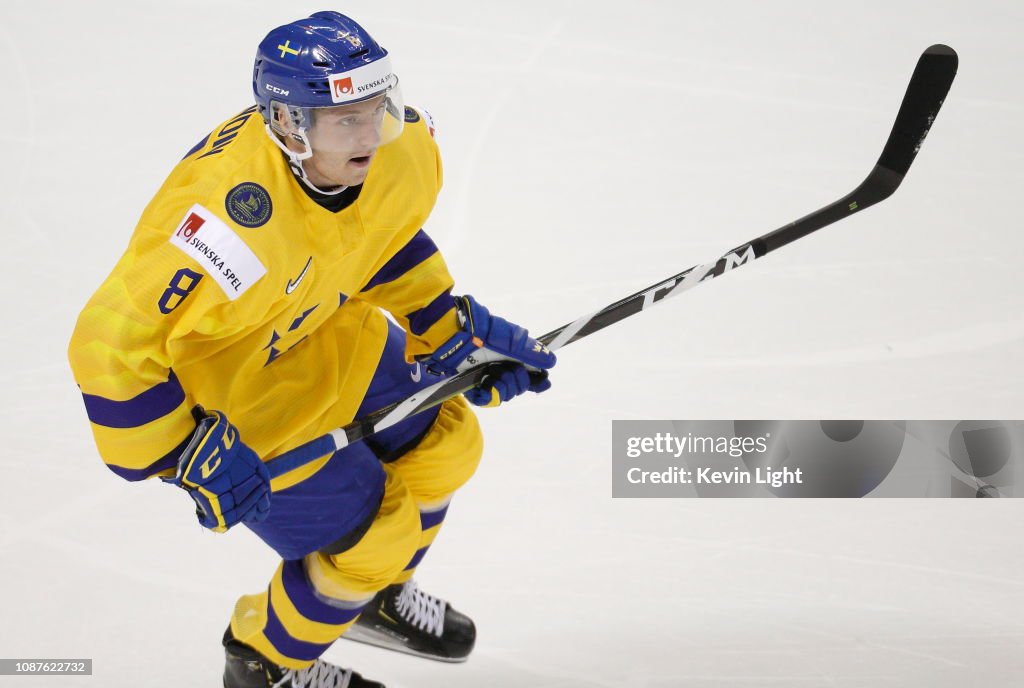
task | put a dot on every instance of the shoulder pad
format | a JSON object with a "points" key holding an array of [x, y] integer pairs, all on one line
{"points": [[413, 114]]}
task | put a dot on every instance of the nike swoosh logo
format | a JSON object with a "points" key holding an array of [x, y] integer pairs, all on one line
{"points": [[416, 374], [292, 285]]}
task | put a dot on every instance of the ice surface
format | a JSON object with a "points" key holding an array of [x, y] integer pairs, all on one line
{"points": [[602, 147]]}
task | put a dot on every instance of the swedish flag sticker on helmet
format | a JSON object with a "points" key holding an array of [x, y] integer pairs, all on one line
{"points": [[248, 204]]}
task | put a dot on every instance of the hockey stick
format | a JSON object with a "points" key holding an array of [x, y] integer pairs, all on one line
{"points": [[928, 87]]}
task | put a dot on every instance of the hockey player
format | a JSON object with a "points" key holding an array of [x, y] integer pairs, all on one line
{"points": [[254, 285]]}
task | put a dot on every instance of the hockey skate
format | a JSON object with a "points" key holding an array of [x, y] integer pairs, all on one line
{"points": [[403, 618], [247, 668]]}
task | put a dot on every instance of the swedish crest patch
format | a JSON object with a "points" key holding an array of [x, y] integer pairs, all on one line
{"points": [[249, 204]]}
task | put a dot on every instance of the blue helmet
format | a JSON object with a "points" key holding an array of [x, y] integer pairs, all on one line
{"points": [[306, 63], [325, 60]]}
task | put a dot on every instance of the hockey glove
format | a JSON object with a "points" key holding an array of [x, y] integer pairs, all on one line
{"points": [[481, 330], [224, 477], [509, 382]]}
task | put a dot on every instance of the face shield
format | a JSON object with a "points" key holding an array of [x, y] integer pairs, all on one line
{"points": [[354, 127], [368, 112]]}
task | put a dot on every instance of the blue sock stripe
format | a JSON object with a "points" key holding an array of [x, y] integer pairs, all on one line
{"points": [[284, 643], [417, 558], [429, 519], [307, 602]]}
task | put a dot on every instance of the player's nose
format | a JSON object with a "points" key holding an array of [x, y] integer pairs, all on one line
{"points": [[369, 136]]}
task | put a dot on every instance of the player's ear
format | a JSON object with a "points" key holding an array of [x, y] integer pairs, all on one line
{"points": [[281, 120]]}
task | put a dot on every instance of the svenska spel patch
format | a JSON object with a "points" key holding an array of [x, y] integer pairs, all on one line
{"points": [[205, 238], [361, 82]]}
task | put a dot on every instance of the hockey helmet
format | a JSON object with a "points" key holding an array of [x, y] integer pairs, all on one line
{"points": [[326, 60]]}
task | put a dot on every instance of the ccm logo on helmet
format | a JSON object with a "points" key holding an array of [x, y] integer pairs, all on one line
{"points": [[275, 89]]}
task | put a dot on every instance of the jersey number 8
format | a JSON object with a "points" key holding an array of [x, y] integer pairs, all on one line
{"points": [[180, 286]]}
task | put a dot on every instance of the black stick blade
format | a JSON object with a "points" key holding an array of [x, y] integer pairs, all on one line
{"points": [[927, 90]]}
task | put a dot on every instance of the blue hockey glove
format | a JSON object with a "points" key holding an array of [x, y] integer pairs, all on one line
{"points": [[481, 330], [224, 477], [508, 383]]}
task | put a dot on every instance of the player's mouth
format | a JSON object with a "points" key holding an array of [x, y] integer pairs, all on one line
{"points": [[361, 160]]}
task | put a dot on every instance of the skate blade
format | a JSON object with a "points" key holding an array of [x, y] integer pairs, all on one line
{"points": [[361, 635]]}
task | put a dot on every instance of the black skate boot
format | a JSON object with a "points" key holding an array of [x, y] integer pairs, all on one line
{"points": [[247, 668], [404, 618]]}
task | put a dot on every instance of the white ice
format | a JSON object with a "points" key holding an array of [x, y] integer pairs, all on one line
{"points": [[592, 149]]}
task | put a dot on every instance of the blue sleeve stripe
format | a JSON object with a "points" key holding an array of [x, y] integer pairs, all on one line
{"points": [[422, 320], [419, 248], [154, 403], [198, 145], [287, 645], [168, 460], [305, 600], [429, 519]]}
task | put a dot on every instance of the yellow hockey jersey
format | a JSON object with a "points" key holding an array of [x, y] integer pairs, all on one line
{"points": [[239, 292]]}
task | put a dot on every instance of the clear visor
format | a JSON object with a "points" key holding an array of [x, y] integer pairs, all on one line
{"points": [[355, 129]]}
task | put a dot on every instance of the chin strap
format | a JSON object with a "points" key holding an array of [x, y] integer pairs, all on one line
{"points": [[295, 161]]}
